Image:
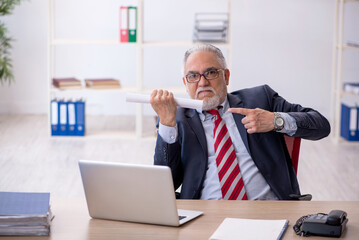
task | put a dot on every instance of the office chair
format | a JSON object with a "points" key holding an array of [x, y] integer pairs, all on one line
{"points": [[293, 146]]}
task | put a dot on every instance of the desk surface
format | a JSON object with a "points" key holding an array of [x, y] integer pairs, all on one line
{"points": [[72, 220]]}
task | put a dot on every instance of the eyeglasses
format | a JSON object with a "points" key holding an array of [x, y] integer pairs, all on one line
{"points": [[208, 75]]}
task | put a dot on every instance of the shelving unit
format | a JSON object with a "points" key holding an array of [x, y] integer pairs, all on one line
{"points": [[140, 45], [337, 81]]}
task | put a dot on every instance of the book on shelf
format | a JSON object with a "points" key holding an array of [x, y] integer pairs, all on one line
{"points": [[239, 228], [63, 117], [124, 24], [132, 24], [351, 87], [66, 83], [103, 83], [25, 214]]}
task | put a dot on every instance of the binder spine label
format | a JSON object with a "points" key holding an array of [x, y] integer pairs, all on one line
{"points": [[63, 114], [132, 24], [124, 24], [54, 118], [63, 117], [353, 119], [72, 119], [71, 114], [80, 118]]}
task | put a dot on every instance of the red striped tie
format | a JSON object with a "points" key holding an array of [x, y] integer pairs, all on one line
{"points": [[230, 177]]}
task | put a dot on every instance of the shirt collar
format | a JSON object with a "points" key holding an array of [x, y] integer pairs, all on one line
{"points": [[203, 115]]}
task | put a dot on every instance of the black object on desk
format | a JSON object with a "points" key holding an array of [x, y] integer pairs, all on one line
{"points": [[329, 225]]}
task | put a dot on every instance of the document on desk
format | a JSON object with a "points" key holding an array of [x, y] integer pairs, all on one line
{"points": [[181, 102], [238, 228], [24, 213]]}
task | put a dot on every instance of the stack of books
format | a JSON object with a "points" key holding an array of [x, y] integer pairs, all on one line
{"points": [[67, 83], [25, 214], [104, 83], [210, 27]]}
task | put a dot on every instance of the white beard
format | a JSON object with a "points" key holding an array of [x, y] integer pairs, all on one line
{"points": [[209, 103]]}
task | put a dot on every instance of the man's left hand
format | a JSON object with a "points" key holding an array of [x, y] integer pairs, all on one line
{"points": [[255, 120]]}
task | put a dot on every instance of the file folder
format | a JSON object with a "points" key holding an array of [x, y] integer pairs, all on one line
{"points": [[54, 118], [63, 117], [80, 117], [71, 127], [132, 24], [123, 24], [349, 122]]}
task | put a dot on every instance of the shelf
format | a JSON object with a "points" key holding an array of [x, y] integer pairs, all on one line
{"points": [[116, 42], [185, 44], [348, 94], [137, 85], [339, 46], [170, 89], [96, 42], [84, 89], [346, 46], [121, 135], [119, 90]]}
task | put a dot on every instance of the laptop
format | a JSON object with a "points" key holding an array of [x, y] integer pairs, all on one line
{"points": [[133, 193]]}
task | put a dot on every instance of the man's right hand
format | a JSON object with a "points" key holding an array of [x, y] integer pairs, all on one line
{"points": [[165, 106]]}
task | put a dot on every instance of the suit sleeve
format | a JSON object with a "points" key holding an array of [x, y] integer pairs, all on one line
{"points": [[169, 155], [310, 123]]}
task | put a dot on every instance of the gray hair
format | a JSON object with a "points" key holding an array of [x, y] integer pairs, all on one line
{"points": [[205, 48]]}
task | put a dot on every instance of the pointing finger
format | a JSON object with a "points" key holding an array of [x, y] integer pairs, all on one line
{"points": [[243, 111]]}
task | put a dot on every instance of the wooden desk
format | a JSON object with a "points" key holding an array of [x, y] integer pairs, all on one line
{"points": [[72, 220]]}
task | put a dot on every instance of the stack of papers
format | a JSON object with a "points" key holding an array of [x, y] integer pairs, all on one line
{"points": [[210, 27], [104, 83], [25, 213], [238, 228]]}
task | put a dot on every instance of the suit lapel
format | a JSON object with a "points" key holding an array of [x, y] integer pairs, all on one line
{"points": [[236, 102], [195, 123]]}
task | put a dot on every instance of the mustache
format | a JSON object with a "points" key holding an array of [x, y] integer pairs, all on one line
{"points": [[204, 89]]}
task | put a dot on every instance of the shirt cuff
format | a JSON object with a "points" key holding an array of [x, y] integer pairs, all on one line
{"points": [[168, 134], [290, 125]]}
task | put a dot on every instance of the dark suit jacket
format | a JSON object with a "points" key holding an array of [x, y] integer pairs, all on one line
{"points": [[188, 156]]}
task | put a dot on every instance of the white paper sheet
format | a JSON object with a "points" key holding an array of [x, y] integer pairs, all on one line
{"points": [[181, 102], [250, 229]]}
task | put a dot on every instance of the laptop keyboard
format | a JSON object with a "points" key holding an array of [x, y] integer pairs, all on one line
{"points": [[181, 217]]}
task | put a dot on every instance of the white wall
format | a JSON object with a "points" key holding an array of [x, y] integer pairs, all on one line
{"points": [[28, 25], [287, 45], [284, 43]]}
